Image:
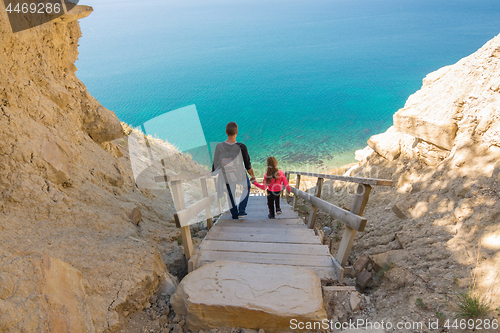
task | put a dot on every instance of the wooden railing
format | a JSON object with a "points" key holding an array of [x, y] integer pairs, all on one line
{"points": [[185, 214], [352, 220]]}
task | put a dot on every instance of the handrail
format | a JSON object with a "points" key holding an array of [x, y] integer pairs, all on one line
{"points": [[354, 221], [358, 180], [183, 217]]}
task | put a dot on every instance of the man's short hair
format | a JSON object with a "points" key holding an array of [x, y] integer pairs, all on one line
{"points": [[231, 128]]}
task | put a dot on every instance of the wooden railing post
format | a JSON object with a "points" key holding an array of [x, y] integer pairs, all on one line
{"points": [[283, 195], [219, 205], [178, 196], [314, 209], [297, 184], [358, 207], [208, 212]]}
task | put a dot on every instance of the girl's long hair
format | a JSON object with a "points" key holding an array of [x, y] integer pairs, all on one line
{"points": [[272, 170]]}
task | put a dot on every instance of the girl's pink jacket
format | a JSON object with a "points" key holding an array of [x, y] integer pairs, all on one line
{"points": [[275, 185]]}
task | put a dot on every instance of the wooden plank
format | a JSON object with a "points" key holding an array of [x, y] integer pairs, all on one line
{"points": [[314, 210], [262, 215], [348, 218], [358, 207], [268, 258], [305, 249], [264, 225], [324, 273], [297, 186], [193, 261], [187, 242], [184, 216], [264, 238], [253, 231], [178, 196], [267, 222], [186, 177], [208, 213], [359, 180], [339, 270]]}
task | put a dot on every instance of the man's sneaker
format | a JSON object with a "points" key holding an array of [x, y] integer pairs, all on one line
{"points": [[242, 215], [271, 217], [278, 211]]}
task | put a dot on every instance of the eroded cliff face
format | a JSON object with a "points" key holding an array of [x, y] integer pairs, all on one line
{"points": [[67, 191], [439, 226]]}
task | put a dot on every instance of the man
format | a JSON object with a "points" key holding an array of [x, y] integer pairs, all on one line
{"points": [[232, 161]]}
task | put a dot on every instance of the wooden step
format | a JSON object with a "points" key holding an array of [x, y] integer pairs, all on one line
{"points": [[268, 258], [265, 238], [230, 246], [255, 230], [260, 224]]}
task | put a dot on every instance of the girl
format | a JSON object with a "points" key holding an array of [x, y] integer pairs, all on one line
{"points": [[272, 182]]}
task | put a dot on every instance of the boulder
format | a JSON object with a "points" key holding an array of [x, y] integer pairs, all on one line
{"points": [[101, 124], [253, 296], [386, 144]]}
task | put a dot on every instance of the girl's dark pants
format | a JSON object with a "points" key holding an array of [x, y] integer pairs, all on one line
{"points": [[273, 198]]}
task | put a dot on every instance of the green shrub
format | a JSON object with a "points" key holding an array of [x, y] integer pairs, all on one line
{"points": [[471, 305]]}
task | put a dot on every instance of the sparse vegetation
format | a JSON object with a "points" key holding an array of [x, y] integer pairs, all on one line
{"points": [[385, 268], [440, 315], [498, 310], [420, 303], [472, 305]]}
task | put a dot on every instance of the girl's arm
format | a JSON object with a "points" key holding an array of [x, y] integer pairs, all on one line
{"points": [[263, 186], [285, 182]]}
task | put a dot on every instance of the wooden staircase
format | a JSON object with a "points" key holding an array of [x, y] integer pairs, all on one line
{"points": [[285, 240]]}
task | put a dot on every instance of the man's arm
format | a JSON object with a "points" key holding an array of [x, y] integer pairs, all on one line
{"points": [[215, 163], [246, 160], [250, 172]]}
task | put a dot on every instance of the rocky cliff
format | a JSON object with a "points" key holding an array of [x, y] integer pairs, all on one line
{"points": [[71, 214], [438, 228]]}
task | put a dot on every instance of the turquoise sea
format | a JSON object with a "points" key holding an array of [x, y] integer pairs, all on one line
{"points": [[308, 81]]}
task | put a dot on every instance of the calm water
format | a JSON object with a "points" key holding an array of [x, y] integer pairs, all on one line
{"points": [[307, 81]]}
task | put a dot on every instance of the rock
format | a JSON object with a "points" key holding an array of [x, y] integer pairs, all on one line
{"points": [[363, 154], [262, 331], [363, 278], [135, 216], [61, 304], [247, 295], [176, 328], [168, 285], [393, 256], [327, 230], [399, 212], [57, 160], [361, 263], [102, 124], [202, 234], [355, 301], [386, 144]]}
